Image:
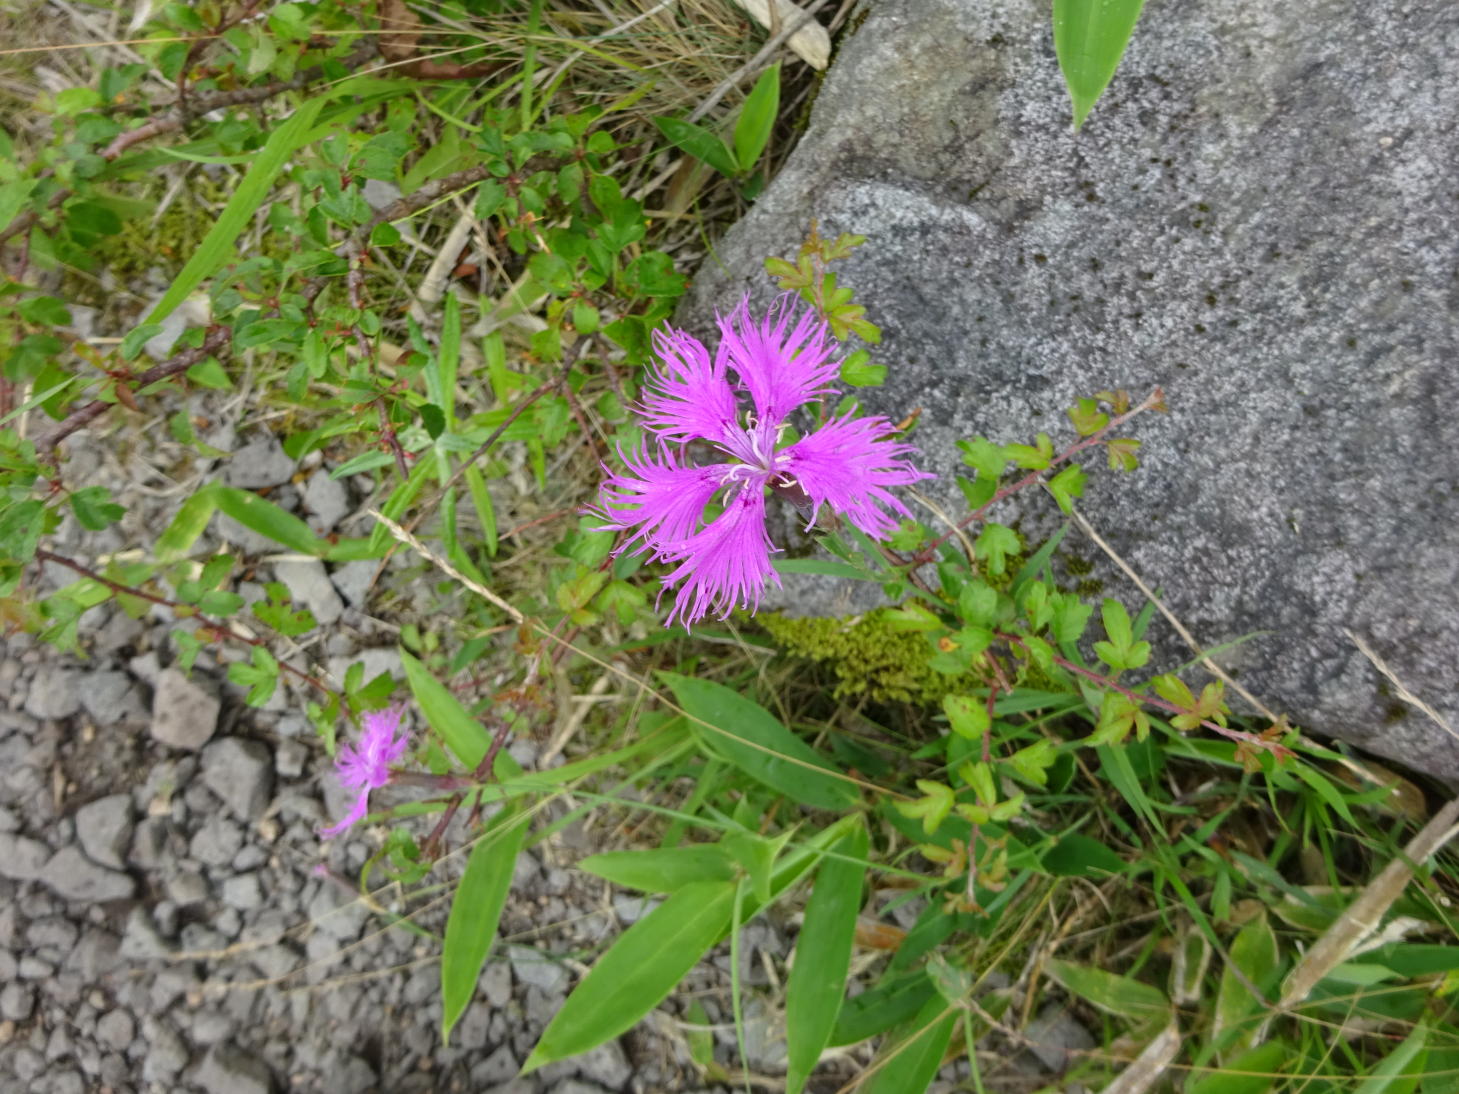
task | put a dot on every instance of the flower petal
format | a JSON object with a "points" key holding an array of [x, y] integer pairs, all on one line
{"points": [[356, 813], [688, 396], [726, 564], [783, 362], [848, 464], [660, 497]]}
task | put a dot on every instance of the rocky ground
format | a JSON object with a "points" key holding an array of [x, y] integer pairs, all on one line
{"points": [[170, 919]]}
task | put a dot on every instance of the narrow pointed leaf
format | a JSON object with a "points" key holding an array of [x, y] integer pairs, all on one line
{"points": [[754, 740], [462, 734], [638, 972], [822, 957], [217, 246], [476, 910], [757, 118], [1090, 37], [913, 1053]]}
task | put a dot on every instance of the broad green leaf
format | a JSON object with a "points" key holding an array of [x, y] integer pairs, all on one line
{"points": [[1399, 1071], [751, 738], [217, 245], [267, 519], [1077, 855], [757, 118], [913, 1052], [1090, 37], [463, 734], [664, 870], [476, 909], [1253, 963], [188, 523], [638, 971], [1120, 995], [1253, 1072], [822, 957], [699, 143], [13, 196]]}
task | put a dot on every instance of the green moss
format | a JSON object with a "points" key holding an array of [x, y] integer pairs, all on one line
{"points": [[868, 657]]}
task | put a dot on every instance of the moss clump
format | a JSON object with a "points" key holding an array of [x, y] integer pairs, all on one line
{"points": [[867, 655]]}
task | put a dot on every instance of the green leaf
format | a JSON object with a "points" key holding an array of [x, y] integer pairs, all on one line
{"points": [[217, 245], [995, 543], [757, 118], [476, 910], [1398, 1072], [699, 143], [823, 956], [1254, 957], [638, 971], [267, 519], [1119, 995], [1067, 485], [94, 508], [1090, 37], [878, 1009], [13, 196], [1077, 855], [663, 870], [485, 512], [967, 715], [136, 338], [462, 733], [913, 1054], [751, 738], [1253, 1072], [188, 523], [823, 567]]}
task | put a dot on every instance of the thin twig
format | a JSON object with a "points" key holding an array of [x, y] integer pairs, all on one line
{"points": [[217, 626], [216, 340]]}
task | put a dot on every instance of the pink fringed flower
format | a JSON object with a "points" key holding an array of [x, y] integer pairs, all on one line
{"points": [[367, 766], [738, 400]]}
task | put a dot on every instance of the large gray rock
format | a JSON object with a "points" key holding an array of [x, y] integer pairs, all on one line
{"points": [[1259, 217]]}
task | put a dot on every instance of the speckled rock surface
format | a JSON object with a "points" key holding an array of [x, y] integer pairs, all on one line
{"points": [[1260, 217]]}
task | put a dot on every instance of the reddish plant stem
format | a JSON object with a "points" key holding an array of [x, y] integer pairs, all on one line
{"points": [[1155, 399], [216, 340], [1152, 700], [216, 627]]}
